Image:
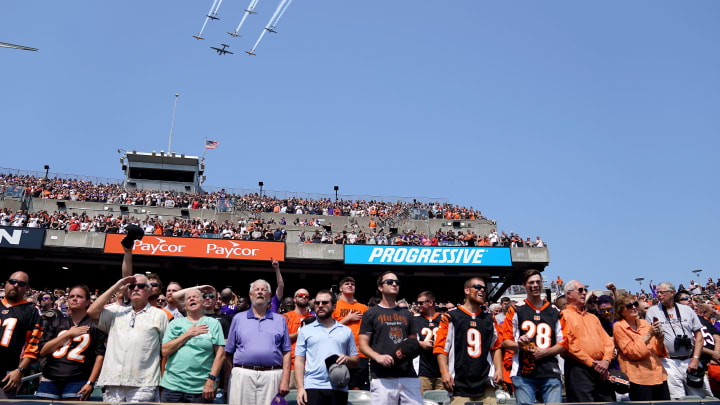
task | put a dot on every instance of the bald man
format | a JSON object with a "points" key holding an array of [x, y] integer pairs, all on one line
{"points": [[294, 320], [21, 331]]}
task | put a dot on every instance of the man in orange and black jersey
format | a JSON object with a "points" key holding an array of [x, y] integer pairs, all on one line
{"points": [[21, 331], [427, 325], [533, 331], [465, 340]]}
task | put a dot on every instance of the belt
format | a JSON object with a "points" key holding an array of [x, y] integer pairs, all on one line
{"points": [[258, 368], [680, 358]]}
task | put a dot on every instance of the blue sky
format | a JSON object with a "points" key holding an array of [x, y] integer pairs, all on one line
{"points": [[591, 124]]}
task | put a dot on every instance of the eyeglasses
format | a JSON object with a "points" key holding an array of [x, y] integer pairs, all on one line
{"points": [[631, 305], [206, 296], [322, 302], [20, 283], [46, 298], [302, 295], [154, 284], [478, 287], [685, 298], [422, 302], [662, 292], [392, 281], [161, 301], [581, 290], [141, 286], [607, 310]]}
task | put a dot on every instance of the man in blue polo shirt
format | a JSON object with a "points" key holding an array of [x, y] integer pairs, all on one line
{"points": [[259, 347], [315, 343]]}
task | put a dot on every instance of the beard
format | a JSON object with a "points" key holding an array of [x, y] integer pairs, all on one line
{"points": [[302, 304], [11, 294], [324, 316]]}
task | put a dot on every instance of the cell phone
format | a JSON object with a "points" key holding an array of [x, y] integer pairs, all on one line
{"points": [[334, 289], [655, 319]]}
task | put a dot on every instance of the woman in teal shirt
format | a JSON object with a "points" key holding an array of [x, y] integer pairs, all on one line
{"points": [[195, 348]]}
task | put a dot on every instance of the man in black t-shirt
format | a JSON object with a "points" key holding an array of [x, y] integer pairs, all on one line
{"points": [[383, 328]]}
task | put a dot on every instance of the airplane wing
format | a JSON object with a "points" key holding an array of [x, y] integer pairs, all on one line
{"points": [[229, 52], [13, 46]]}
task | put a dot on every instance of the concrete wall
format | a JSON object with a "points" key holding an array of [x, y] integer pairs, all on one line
{"points": [[314, 251], [530, 255], [87, 240]]}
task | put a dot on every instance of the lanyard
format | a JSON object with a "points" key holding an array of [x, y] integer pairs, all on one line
{"points": [[677, 312]]}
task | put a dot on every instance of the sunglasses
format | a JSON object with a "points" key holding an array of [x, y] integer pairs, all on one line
{"points": [[154, 285], [392, 281], [20, 283], [478, 287], [206, 296], [161, 300], [631, 305], [322, 302], [422, 302], [581, 290], [607, 310], [46, 298], [684, 299], [141, 286], [302, 295]]}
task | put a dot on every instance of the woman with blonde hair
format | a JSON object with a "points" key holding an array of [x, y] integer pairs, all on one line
{"points": [[640, 349]]}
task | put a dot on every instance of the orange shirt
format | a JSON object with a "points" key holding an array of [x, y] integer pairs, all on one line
{"points": [[294, 320], [585, 338], [641, 362], [342, 309]]}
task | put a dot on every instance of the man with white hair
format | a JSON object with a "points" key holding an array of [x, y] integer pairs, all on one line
{"points": [[589, 350], [258, 346], [683, 340], [131, 372]]}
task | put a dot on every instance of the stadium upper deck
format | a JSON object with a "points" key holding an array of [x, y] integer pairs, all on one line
{"points": [[91, 255]]}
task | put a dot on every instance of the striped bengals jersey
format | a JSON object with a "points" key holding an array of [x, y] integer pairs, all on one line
{"points": [[21, 331], [467, 339], [427, 330], [544, 327]]}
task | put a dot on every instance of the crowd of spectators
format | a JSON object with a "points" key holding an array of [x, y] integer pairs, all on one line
{"points": [[257, 228], [115, 193]]}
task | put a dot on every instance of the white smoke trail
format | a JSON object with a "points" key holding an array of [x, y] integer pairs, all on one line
{"points": [[214, 13], [281, 13], [248, 11], [274, 16], [207, 17]]}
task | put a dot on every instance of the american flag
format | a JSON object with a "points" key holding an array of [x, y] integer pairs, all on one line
{"points": [[211, 144]]}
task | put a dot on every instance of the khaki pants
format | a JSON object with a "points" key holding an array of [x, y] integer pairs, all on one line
{"points": [[250, 387], [293, 384], [488, 398], [430, 383]]}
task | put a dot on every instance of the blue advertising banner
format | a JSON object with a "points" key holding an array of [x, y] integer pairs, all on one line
{"points": [[24, 238], [427, 255]]}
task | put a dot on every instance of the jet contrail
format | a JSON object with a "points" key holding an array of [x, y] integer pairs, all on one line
{"points": [[268, 26], [281, 14], [248, 11], [207, 17], [217, 8]]}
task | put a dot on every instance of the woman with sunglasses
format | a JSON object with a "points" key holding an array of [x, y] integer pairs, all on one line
{"points": [[640, 349], [195, 348], [74, 349]]}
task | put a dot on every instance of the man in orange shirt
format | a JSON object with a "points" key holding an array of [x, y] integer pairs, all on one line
{"points": [[589, 350], [349, 312], [294, 320]]}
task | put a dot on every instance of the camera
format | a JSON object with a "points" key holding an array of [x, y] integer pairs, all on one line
{"points": [[683, 341]]}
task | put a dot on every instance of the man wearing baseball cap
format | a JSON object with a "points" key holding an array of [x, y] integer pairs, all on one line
{"points": [[323, 351]]}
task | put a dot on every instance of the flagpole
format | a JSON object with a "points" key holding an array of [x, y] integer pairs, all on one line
{"points": [[172, 125], [204, 150]]}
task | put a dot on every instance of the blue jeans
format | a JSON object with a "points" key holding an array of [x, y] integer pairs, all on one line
{"points": [[526, 387]]}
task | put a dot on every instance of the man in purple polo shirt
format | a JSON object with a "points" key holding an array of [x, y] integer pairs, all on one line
{"points": [[259, 347]]}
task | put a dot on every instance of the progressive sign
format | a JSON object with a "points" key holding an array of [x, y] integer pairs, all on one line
{"points": [[199, 247], [23, 238], [427, 255]]}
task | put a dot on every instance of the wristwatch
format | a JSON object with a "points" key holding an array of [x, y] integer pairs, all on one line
{"points": [[212, 377], [90, 383], [22, 370]]}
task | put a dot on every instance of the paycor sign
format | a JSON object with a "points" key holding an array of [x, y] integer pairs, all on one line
{"points": [[23, 238], [427, 255]]}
